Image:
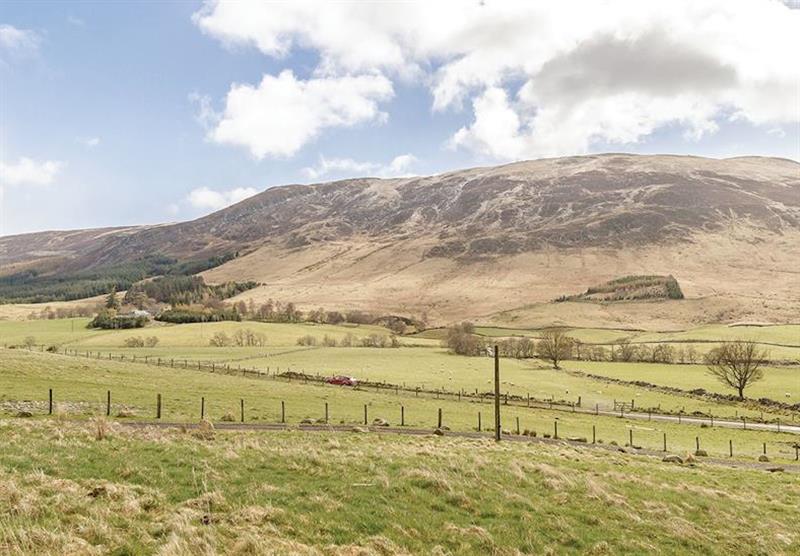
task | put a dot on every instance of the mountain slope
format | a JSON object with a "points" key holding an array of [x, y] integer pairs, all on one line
{"points": [[520, 233]]}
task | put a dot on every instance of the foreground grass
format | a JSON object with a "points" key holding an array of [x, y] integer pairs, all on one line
{"points": [[167, 492], [80, 387]]}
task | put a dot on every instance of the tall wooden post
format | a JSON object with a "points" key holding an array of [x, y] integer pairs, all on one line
{"points": [[241, 407], [158, 406], [108, 403], [496, 393]]}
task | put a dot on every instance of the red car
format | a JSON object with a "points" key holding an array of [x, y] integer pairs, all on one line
{"points": [[342, 380]]}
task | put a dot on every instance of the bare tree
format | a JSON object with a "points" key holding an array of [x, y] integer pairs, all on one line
{"points": [[555, 346], [737, 364]]}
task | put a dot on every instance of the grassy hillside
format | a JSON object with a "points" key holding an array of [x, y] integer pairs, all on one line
{"points": [[152, 491]]}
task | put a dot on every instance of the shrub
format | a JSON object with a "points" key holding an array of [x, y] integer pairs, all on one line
{"points": [[307, 340], [134, 342], [219, 339], [151, 341]]}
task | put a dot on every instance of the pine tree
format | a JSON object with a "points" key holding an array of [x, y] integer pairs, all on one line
{"points": [[111, 301]]}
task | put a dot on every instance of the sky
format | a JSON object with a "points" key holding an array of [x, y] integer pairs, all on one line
{"points": [[124, 113]]}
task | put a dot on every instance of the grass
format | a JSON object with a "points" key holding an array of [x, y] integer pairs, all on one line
{"points": [[777, 382], [80, 388], [152, 491]]}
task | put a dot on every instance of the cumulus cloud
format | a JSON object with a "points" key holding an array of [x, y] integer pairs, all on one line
{"points": [[399, 166], [14, 39], [205, 198], [281, 114], [550, 77], [28, 172]]}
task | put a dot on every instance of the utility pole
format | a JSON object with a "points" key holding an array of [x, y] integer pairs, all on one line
{"points": [[496, 394]]}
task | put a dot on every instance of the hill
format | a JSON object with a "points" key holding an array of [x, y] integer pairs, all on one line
{"points": [[477, 242]]}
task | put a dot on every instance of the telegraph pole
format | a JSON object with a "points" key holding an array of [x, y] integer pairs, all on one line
{"points": [[496, 394]]}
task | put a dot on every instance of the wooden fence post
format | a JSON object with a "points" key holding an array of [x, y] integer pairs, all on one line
{"points": [[555, 429], [108, 403], [402, 416], [158, 406], [365, 414], [665, 442], [241, 407], [730, 447], [765, 448], [517, 425], [697, 443], [326, 412], [594, 434], [480, 428], [630, 438], [202, 408], [439, 426], [50, 402], [283, 411]]}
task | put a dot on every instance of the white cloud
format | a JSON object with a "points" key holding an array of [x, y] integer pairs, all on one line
{"points": [[282, 113], [205, 198], [18, 40], [76, 21], [28, 172], [90, 142], [561, 75], [400, 166]]}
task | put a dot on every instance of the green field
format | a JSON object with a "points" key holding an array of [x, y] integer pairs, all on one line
{"points": [[419, 363], [63, 490], [80, 388], [779, 383]]}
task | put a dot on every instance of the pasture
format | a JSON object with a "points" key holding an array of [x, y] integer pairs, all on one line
{"points": [[80, 387], [420, 362]]}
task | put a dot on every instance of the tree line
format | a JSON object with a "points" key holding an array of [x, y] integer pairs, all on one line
{"points": [[736, 364]]}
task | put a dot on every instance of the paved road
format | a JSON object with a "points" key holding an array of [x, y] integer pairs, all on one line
{"points": [[791, 468]]}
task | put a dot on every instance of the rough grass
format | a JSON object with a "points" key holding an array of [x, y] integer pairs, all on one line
{"points": [[166, 492]]}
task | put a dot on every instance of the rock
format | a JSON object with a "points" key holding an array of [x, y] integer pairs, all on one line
{"points": [[613, 443], [438, 432], [672, 458], [308, 421], [763, 458], [775, 469], [546, 435], [123, 414], [24, 413], [228, 418], [505, 431], [701, 453], [359, 429], [577, 439], [380, 422]]}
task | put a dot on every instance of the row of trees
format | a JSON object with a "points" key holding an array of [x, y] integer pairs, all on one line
{"points": [[278, 311], [243, 337], [351, 340], [735, 364]]}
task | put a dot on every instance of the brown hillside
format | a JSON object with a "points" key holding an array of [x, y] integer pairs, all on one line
{"points": [[484, 240]]}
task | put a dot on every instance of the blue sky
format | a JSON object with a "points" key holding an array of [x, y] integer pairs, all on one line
{"points": [[126, 113]]}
